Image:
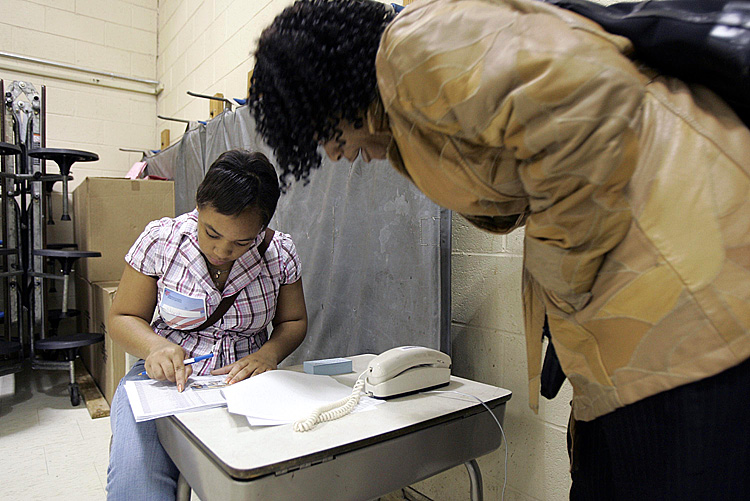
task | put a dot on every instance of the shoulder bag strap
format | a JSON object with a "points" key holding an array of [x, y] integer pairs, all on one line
{"points": [[229, 300]]}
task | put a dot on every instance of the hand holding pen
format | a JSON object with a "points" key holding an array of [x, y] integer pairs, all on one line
{"points": [[187, 361]]}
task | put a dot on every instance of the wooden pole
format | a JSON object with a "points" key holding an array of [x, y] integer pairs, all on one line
{"points": [[216, 107], [165, 139]]}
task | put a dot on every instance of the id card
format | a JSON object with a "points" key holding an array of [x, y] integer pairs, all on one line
{"points": [[213, 385], [207, 382], [180, 311]]}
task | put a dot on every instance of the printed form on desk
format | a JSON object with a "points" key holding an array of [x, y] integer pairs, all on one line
{"points": [[151, 399]]}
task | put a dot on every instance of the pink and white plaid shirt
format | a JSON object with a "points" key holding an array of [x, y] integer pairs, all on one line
{"points": [[168, 250]]}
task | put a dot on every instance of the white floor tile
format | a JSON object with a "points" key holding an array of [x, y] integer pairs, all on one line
{"points": [[17, 463], [50, 450]]}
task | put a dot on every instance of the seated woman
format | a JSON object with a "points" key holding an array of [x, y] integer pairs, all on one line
{"points": [[187, 265]]}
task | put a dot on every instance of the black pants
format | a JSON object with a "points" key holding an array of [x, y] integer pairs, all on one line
{"points": [[689, 443]]}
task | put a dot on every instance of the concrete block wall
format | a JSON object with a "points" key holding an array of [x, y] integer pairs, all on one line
{"points": [[489, 346], [205, 47], [116, 36]]}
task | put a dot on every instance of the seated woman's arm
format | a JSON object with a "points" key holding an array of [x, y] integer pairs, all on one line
{"points": [[129, 325], [289, 329]]}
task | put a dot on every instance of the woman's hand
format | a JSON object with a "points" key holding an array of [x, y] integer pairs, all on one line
{"points": [[166, 362], [251, 365]]}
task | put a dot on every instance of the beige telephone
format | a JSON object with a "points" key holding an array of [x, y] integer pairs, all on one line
{"points": [[396, 372], [406, 369]]}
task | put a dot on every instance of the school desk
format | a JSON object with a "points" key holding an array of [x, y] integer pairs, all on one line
{"points": [[359, 457]]}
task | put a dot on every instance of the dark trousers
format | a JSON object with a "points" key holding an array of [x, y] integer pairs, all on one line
{"points": [[689, 443]]}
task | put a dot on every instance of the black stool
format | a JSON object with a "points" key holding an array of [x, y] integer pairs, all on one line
{"points": [[66, 345], [9, 149], [48, 181], [69, 345], [51, 260], [64, 159]]}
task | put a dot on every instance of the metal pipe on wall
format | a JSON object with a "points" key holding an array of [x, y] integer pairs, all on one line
{"points": [[25, 64]]}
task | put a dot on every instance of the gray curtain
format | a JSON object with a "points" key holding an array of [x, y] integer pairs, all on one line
{"points": [[190, 168]]}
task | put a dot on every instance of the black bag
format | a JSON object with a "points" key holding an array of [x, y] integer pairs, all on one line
{"points": [[553, 376], [697, 41]]}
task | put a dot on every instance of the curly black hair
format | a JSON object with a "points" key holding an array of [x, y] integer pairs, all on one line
{"points": [[315, 65]]}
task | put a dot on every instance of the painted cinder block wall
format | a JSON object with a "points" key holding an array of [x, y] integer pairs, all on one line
{"points": [[111, 36], [489, 346]]}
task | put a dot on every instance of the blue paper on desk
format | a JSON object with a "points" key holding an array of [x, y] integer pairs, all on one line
{"points": [[279, 397]]}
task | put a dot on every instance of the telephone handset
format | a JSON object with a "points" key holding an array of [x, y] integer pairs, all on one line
{"points": [[396, 372], [406, 369]]}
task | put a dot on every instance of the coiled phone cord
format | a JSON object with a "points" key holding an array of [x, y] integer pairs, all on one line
{"points": [[334, 410]]}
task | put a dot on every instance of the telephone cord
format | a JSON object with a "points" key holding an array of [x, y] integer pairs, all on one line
{"points": [[334, 410], [497, 421]]}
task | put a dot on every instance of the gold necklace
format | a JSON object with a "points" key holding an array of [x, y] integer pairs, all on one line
{"points": [[215, 273]]}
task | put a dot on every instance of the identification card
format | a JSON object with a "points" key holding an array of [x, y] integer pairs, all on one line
{"points": [[180, 311]]}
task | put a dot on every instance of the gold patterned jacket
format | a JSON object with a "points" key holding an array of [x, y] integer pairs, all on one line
{"points": [[633, 187]]}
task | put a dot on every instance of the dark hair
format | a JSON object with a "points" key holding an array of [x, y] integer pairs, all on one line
{"points": [[315, 64], [240, 180]]}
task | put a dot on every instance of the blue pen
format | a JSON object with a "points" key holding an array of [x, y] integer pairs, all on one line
{"points": [[188, 361]]}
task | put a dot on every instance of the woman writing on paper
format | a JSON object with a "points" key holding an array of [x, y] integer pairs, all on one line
{"points": [[187, 266]]}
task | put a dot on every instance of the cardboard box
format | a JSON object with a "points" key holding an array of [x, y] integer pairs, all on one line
{"points": [[109, 214], [107, 362]]}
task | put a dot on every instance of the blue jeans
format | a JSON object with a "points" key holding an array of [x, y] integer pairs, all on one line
{"points": [[139, 467]]}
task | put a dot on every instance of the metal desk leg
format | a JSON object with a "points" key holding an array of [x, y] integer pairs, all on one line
{"points": [[183, 489], [476, 480]]}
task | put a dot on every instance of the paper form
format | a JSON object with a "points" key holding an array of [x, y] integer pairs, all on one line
{"points": [[151, 399]]}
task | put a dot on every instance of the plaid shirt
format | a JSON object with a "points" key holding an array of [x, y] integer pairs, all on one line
{"points": [[168, 250]]}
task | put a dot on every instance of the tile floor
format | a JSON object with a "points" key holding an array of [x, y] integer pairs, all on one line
{"points": [[49, 450]]}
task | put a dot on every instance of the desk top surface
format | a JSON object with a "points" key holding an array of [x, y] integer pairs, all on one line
{"points": [[244, 451]]}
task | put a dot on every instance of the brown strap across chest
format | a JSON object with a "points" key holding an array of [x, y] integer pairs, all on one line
{"points": [[228, 301]]}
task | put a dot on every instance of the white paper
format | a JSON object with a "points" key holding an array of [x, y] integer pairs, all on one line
{"points": [[280, 397], [255, 421], [151, 399]]}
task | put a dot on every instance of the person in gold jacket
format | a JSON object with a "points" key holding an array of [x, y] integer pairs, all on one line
{"points": [[633, 189]]}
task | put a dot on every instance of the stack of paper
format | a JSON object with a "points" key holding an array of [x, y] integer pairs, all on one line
{"points": [[151, 399], [280, 397]]}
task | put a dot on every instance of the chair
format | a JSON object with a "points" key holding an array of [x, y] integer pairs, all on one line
{"points": [[66, 346]]}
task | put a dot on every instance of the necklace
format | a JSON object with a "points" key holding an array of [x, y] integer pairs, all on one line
{"points": [[216, 273]]}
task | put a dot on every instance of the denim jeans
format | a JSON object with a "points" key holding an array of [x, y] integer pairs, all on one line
{"points": [[139, 467]]}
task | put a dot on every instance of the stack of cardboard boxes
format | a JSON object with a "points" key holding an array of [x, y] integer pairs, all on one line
{"points": [[109, 214]]}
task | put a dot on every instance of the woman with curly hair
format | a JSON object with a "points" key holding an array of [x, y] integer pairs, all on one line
{"points": [[632, 187], [299, 101]]}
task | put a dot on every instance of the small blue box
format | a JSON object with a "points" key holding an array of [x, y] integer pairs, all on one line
{"points": [[329, 366]]}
